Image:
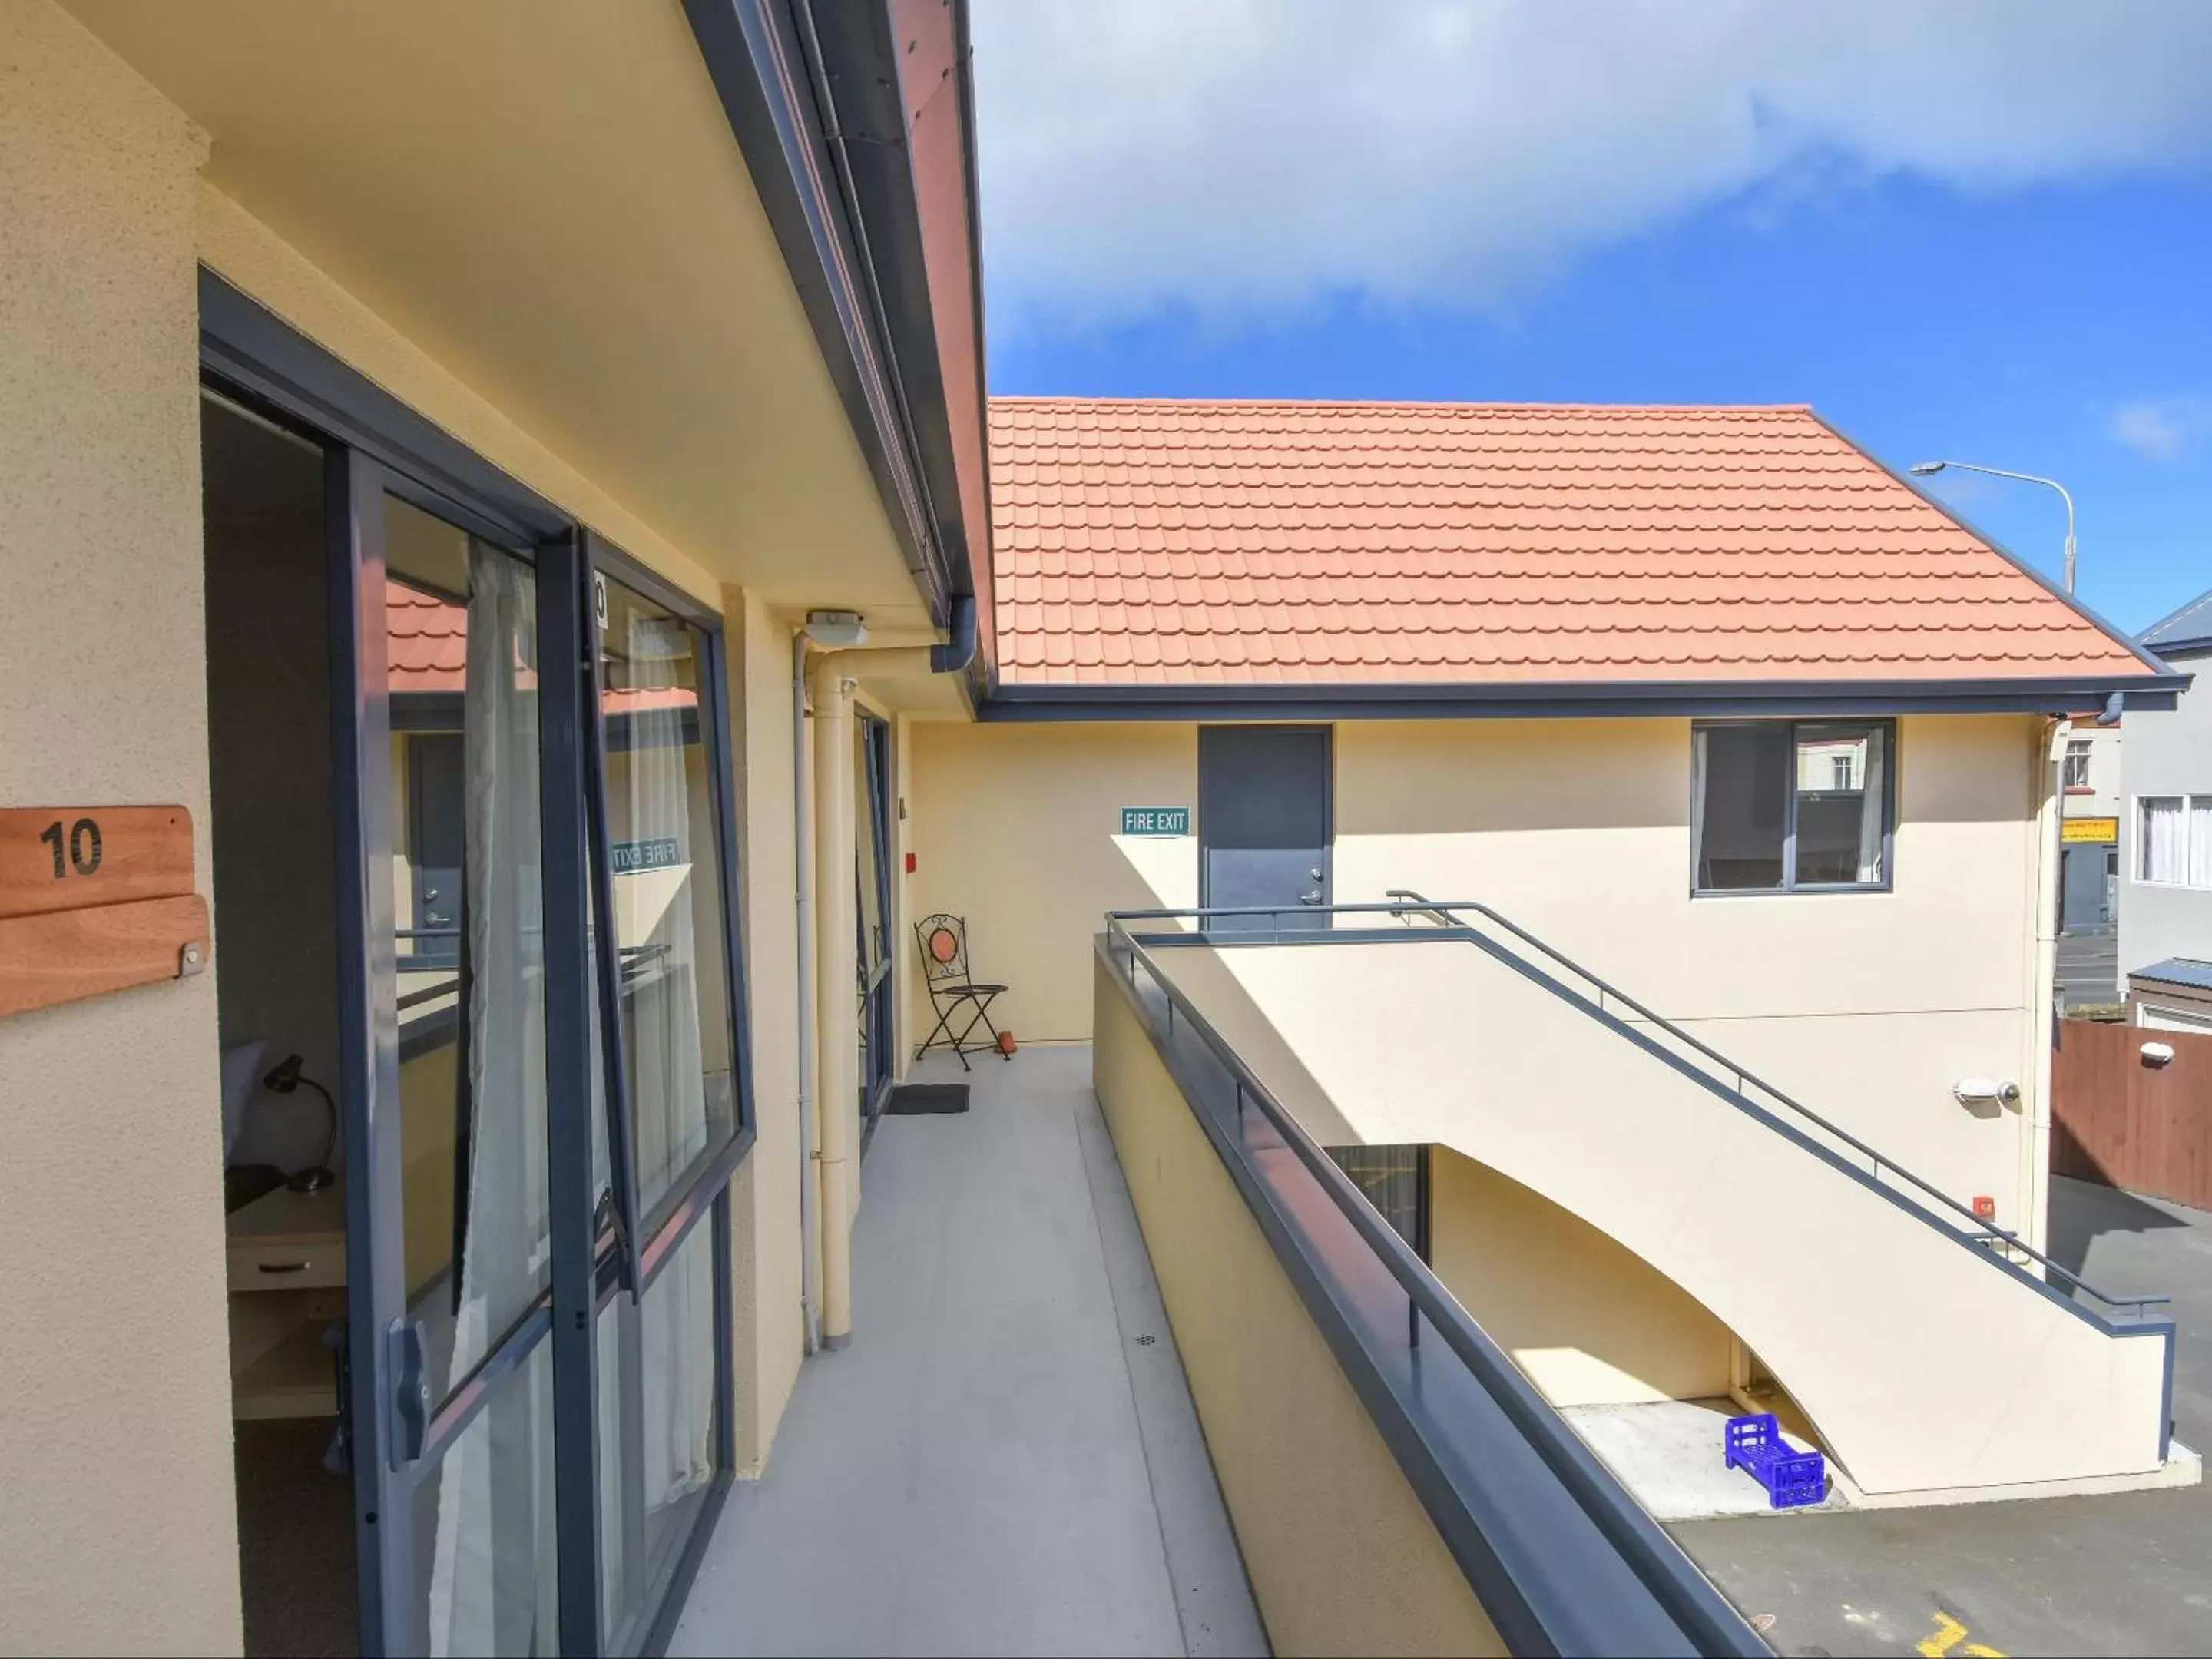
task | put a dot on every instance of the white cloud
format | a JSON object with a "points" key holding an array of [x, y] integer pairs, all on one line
{"points": [[1241, 154], [2160, 429]]}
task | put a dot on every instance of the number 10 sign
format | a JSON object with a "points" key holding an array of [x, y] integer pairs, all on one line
{"points": [[95, 899]]}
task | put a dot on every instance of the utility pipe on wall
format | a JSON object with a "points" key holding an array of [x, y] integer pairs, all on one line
{"points": [[2043, 1002], [836, 1093], [802, 852]]}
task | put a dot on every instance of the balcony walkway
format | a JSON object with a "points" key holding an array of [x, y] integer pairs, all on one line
{"points": [[1006, 1461]]}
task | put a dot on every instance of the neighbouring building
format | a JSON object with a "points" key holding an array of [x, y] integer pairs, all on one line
{"points": [[1707, 700], [522, 614], [2165, 877], [2089, 878]]}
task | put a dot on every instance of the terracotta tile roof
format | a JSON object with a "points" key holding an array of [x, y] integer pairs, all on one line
{"points": [[1158, 542], [426, 641], [427, 649]]}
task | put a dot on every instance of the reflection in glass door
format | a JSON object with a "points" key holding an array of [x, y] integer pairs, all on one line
{"points": [[468, 1000], [871, 806], [528, 1484], [675, 1085]]}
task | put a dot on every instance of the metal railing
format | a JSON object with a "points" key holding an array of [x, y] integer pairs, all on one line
{"points": [[1561, 1558], [1727, 1079]]}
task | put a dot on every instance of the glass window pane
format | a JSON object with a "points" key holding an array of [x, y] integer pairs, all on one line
{"points": [[1742, 794], [869, 841], [2159, 838], [1840, 808], [2077, 763], [484, 1577], [2199, 840], [461, 620], [656, 1430], [1390, 1178], [662, 826]]}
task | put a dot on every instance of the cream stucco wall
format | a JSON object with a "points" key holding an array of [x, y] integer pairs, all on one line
{"points": [[1591, 1323], [1290, 1441], [1017, 828], [1867, 1006], [118, 1525], [765, 1235], [1835, 1283]]}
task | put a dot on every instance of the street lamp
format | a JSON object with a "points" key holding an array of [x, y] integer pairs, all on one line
{"points": [[1925, 469]]}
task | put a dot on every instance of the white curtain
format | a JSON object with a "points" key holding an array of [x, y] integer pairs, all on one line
{"points": [[650, 791], [2162, 835], [2199, 840], [1872, 815], [492, 1579]]}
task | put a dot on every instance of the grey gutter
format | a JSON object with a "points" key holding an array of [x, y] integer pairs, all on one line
{"points": [[1526, 700], [833, 227]]}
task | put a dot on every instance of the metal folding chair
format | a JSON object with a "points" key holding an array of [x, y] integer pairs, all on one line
{"points": [[944, 942]]}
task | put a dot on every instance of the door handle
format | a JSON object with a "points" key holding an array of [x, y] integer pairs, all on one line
{"points": [[1313, 898]]}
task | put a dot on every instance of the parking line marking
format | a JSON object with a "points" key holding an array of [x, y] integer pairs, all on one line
{"points": [[1949, 1633]]}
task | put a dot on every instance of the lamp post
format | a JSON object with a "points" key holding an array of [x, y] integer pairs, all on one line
{"points": [[1926, 469]]}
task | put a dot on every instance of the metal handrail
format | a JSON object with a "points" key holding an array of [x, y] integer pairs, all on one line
{"points": [[1404, 902], [1653, 1557]]}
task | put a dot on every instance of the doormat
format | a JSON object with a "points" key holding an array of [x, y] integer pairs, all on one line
{"points": [[916, 1099]]}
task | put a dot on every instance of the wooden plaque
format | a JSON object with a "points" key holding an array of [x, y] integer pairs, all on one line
{"points": [[69, 858], [69, 954], [95, 899]]}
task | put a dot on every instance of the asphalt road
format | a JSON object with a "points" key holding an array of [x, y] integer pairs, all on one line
{"points": [[2088, 967], [2126, 1574]]}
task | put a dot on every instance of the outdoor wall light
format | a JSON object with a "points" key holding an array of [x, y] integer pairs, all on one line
{"points": [[2157, 1055], [836, 630], [1980, 1091]]}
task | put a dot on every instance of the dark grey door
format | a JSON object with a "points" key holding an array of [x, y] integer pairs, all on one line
{"points": [[2082, 907], [1264, 822]]}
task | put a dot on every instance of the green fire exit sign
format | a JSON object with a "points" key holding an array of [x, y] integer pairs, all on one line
{"points": [[1155, 820]]}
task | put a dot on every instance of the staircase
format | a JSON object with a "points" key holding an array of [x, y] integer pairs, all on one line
{"points": [[1932, 1352]]}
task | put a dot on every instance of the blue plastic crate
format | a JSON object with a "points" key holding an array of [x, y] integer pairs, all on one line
{"points": [[1793, 1479]]}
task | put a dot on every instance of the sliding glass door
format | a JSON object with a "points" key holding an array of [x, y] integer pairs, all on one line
{"points": [[544, 1087]]}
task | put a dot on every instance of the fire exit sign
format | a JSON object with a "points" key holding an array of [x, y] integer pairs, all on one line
{"points": [[1155, 820]]}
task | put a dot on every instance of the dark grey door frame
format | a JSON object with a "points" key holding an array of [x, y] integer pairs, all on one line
{"points": [[1317, 883], [375, 449]]}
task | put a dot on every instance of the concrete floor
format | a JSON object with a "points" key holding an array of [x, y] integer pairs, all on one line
{"points": [[2128, 1573], [1006, 1461], [1668, 1453]]}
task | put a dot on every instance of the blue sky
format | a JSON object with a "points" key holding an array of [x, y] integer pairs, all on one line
{"points": [[2030, 293]]}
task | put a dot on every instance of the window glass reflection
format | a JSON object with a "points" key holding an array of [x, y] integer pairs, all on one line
{"points": [[461, 624], [663, 840]]}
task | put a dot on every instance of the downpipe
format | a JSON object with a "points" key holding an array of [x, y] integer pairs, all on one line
{"points": [[802, 837], [2042, 1004], [834, 676]]}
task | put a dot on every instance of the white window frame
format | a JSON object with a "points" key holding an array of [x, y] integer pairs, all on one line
{"points": [[2078, 749], [2137, 844]]}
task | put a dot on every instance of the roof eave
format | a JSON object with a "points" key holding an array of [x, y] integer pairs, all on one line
{"points": [[1738, 699]]}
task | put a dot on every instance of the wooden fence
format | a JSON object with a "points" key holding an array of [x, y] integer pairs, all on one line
{"points": [[2118, 1120]]}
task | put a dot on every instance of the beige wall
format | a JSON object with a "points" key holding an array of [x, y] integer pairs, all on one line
{"points": [[1591, 1323], [1867, 1006], [1017, 827], [1290, 1441], [765, 1239], [118, 1528], [1838, 1288]]}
